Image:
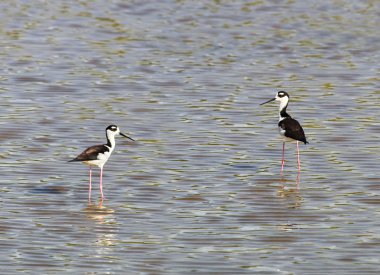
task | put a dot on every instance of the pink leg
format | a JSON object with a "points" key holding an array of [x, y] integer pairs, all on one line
{"points": [[101, 182], [89, 186], [283, 158], [298, 158]]}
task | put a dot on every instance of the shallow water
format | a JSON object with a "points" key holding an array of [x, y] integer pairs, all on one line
{"points": [[200, 191]]}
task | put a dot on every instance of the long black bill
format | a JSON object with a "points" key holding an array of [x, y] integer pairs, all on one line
{"points": [[268, 101], [126, 136]]}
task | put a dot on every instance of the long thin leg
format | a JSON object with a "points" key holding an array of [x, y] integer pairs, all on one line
{"points": [[90, 186], [298, 158], [283, 157], [101, 182]]}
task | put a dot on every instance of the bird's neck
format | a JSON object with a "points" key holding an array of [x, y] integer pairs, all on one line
{"points": [[111, 141], [282, 111]]}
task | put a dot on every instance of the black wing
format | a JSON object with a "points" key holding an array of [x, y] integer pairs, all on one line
{"points": [[293, 129], [91, 153]]}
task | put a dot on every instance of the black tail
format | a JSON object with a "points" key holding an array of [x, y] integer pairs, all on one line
{"points": [[73, 160]]}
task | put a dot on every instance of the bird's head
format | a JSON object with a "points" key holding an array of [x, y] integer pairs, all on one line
{"points": [[113, 130]]}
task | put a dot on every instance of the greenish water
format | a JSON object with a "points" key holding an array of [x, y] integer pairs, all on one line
{"points": [[200, 191]]}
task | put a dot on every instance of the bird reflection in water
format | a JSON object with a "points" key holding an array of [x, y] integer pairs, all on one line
{"points": [[99, 213], [104, 227], [291, 195]]}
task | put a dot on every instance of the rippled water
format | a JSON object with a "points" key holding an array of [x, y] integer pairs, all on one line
{"points": [[200, 191]]}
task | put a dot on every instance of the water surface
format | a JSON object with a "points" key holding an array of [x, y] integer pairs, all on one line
{"points": [[200, 191]]}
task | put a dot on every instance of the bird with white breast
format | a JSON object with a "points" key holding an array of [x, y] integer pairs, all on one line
{"points": [[290, 129], [98, 155]]}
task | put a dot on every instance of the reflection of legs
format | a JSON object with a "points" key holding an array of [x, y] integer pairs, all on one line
{"points": [[89, 186], [101, 182], [298, 180], [298, 158], [283, 157]]}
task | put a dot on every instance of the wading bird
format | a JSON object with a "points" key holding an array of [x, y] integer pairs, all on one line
{"points": [[98, 155], [290, 129]]}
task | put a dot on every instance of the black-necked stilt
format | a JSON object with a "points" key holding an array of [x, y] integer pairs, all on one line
{"points": [[98, 155], [289, 128]]}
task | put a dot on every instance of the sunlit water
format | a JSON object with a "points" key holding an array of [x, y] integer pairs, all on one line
{"points": [[200, 191]]}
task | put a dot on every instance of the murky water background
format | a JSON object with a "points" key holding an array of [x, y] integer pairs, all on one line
{"points": [[200, 192]]}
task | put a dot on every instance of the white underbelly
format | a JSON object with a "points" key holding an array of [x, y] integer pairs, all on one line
{"points": [[102, 159]]}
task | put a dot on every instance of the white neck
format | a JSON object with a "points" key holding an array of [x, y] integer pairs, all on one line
{"points": [[283, 103], [111, 139]]}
